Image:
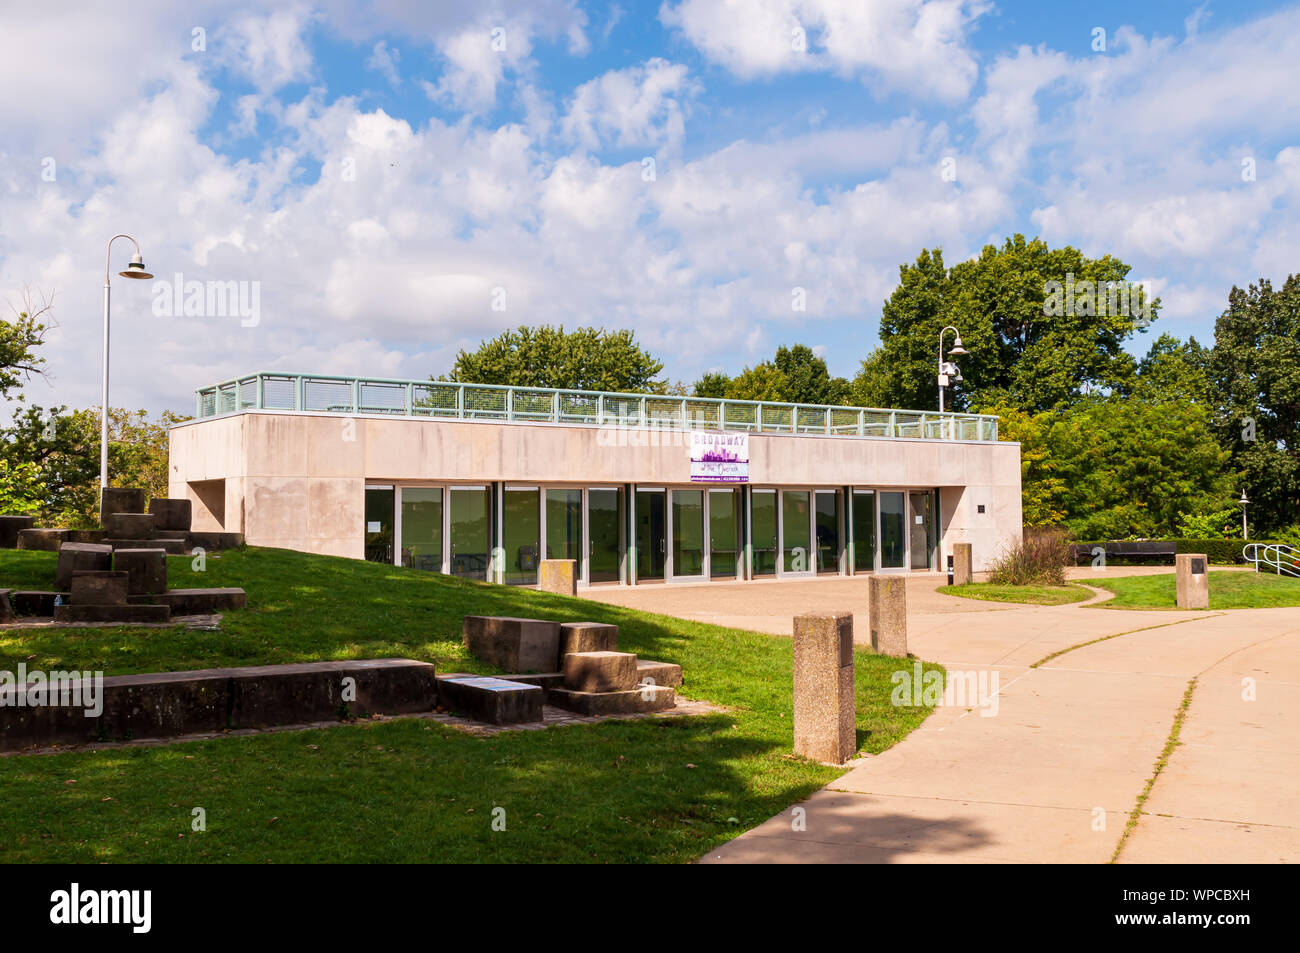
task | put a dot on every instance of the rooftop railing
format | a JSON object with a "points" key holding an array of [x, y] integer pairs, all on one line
{"points": [[317, 393]]}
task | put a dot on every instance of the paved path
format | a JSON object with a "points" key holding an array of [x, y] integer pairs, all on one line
{"points": [[1055, 773]]}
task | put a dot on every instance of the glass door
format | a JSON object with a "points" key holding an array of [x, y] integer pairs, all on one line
{"points": [[724, 534], [893, 530], [422, 527], [521, 528], [379, 524], [863, 534], [651, 535], [827, 516], [919, 527], [688, 534], [603, 530], [796, 532], [764, 526], [469, 512], [564, 525]]}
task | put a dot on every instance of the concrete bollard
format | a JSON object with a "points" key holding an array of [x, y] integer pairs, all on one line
{"points": [[962, 563], [1193, 580], [559, 576], [889, 615], [825, 721]]}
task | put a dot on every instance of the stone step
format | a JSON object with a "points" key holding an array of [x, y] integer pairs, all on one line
{"points": [[129, 614], [181, 534], [203, 601], [213, 700], [213, 542], [34, 601], [600, 671], [48, 540], [635, 701], [121, 499], [130, 526], [10, 527], [99, 588], [79, 557], [498, 701], [662, 673], [587, 637], [171, 514], [146, 569], [511, 644], [545, 680], [174, 547]]}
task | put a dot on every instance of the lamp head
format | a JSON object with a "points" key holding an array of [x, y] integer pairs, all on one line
{"points": [[136, 268], [956, 347]]}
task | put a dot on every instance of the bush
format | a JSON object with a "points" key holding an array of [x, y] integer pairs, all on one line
{"points": [[1039, 559], [1220, 552]]}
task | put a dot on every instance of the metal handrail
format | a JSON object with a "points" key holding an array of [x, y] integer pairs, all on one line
{"points": [[1282, 558], [324, 393]]}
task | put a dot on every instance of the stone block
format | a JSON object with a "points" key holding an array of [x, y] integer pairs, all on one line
{"points": [[10, 527], [130, 526], [213, 542], [6, 606], [120, 499], [600, 671], [213, 700], [79, 557], [1193, 580], [145, 568], [513, 645], [640, 700], [544, 680], [86, 535], [825, 720], [659, 673], [202, 601], [559, 576], [173, 547], [171, 514], [962, 563], [498, 701], [587, 637], [34, 602], [98, 588], [130, 614], [888, 615], [48, 540]]}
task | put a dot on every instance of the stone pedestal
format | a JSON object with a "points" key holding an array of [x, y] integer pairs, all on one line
{"points": [[889, 615], [825, 722], [962, 562], [9, 527], [1193, 578], [559, 576], [74, 557], [146, 570], [120, 499]]}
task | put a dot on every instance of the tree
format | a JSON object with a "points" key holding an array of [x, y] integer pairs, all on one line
{"points": [[585, 359], [19, 339], [1044, 326], [1174, 370], [1254, 375], [795, 375]]}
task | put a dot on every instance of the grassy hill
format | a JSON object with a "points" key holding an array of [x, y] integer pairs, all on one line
{"points": [[408, 790]]}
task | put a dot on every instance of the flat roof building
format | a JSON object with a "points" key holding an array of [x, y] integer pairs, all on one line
{"points": [[484, 482]]}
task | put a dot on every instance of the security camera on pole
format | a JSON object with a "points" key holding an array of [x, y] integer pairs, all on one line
{"points": [[949, 372]]}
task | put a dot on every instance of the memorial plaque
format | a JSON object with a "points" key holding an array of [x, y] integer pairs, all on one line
{"points": [[1198, 566]]}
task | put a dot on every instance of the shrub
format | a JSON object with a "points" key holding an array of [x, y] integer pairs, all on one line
{"points": [[1039, 559]]}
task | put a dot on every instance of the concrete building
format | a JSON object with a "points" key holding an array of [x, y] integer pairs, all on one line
{"points": [[485, 482]]}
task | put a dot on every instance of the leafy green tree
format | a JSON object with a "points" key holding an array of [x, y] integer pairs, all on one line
{"points": [[795, 375], [1174, 370], [19, 340], [1254, 376], [585, 359], [1041, 325]]}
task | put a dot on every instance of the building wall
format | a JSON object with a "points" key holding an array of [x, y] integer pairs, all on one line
{"points": [[297, 480]]}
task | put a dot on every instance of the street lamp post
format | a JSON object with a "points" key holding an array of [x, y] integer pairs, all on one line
{"points": [[948, 370], [135, 269], [1245, 531]]}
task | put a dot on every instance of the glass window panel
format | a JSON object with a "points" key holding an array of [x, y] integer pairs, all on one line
{"points": [[828, 531], [469, 511], [864, 531], [602, 520], [893, 530], [764, 525], [724, 532], [688, 532], [379, 524], [520, 527], [564, 524], [651, 535], [795, 531], [919, 528], [422, 527]]}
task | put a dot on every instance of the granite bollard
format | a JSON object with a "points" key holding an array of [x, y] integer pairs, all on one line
{"points": [[961, 564], [1193, 580], [825, 722], [888, 615], [559, 576]]}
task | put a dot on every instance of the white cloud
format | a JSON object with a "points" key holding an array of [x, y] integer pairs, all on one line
{"points": [[643, 105], [384, 61]]}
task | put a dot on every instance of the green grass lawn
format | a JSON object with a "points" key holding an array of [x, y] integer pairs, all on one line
{"points": [[1228, 590], [1035, 595], [408, 790]]}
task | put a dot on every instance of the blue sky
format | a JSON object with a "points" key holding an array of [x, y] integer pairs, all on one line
{"points": [[398, 180]]}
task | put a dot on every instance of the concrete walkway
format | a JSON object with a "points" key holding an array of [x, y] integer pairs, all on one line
{"points": [[1051, 768]]}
